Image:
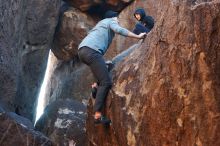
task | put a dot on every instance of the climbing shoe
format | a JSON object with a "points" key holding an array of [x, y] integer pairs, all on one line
{"points": [[102, 120], [94, 91]]}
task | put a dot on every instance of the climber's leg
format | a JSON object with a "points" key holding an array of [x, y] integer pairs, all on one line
{"points": [[99, 69], [101, 73]]}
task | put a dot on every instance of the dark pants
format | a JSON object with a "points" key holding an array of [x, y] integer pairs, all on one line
{"points": [[140, 28], [99, 69]]}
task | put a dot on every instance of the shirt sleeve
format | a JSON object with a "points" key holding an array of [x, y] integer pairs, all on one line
{"points": [[118, 29]]}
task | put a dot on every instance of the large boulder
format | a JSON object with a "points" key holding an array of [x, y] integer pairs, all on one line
{"points": [[166, 92], [64, 122], [16, 130], [41, 20], [85, 5], [21, 120], [73, 27], [27, 29], [11, 26]]}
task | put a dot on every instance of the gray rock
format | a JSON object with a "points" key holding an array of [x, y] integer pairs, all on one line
{"points": [[17, 133], [21, 120], [64, 122], [26, 32]]}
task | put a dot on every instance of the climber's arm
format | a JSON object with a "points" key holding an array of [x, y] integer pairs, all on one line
{"points": [[140, 36], [122, 31], [118, 29]]}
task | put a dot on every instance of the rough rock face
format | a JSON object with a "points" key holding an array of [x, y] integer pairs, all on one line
{"points": [[42, 18], [74, 26], [85, 5], [67, 79], [16, 130], [167, 91], [10, 32], [64, 122], [27, 29]]}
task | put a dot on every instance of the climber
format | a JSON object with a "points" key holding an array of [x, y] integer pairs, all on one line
{"points": [[145, 24], [91, 51]]}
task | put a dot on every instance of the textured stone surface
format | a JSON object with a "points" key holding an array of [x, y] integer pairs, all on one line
{"points": [[85, 5], [11, 26], [167, 91], [68, 79], [14, 131], [64, 123], [41, 20], [21, 120], [26, 32], [74, 26]]}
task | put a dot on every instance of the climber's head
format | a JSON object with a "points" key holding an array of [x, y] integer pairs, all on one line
{"points": [[111, 14], [139, 14]]}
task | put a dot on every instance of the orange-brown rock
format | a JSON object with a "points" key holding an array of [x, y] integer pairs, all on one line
{"points": [[74, 26], [166, 93]]}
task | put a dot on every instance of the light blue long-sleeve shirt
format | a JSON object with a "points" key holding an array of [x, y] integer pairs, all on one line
{"points": [[100, 37]]}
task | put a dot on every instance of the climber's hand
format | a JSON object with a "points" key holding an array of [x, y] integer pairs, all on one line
{"points": [[142, 35], [94, 85]]}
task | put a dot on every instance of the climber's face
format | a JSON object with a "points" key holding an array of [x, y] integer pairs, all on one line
{"points": [[137, 16]]}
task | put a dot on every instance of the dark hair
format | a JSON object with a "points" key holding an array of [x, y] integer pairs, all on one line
{"points": [[141, 12], [110, 14]]}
